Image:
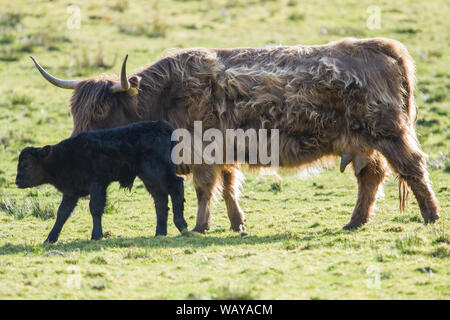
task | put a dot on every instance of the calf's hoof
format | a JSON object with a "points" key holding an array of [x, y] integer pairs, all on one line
{"points": [[50, 240], [96, 237], [187, 233], [181, 226]]}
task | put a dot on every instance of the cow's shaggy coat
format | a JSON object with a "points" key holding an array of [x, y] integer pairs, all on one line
{"points": [[88, 162], [350, 98]]}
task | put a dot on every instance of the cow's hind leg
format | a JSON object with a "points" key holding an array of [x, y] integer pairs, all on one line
{"points": [[230, 193], [205, 181], [369, 180], [406, 158]]}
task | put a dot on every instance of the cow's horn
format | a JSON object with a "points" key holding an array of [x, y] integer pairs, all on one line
{"points": [[66, 84], [346, 159], [359, 163], [123, 85]]}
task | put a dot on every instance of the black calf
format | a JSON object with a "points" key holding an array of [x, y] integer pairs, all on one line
{"points": [[87, 163]]}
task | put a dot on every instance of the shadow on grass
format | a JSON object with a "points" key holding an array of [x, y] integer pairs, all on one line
{"points": [[190, 240], [143, 242]]}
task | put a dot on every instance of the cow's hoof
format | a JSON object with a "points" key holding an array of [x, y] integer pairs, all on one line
{"points": [[432, 218], [238, 228], [352, 225], [200, 229]]}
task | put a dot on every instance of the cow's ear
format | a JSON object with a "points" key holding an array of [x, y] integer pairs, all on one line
{"points": [[45, 152]]}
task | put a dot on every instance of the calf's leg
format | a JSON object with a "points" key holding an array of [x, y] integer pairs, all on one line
{"points": [[231, 195], [97, 204], [66, 207], [154, 176], [161, 200], [369, 180], [176, 190], [409, 161]]}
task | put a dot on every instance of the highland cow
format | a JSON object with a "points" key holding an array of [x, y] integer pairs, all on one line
{"points": [[352, 98], [88, 162]]}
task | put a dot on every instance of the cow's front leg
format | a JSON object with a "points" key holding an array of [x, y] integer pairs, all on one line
{"points": [[97, 206], [66, 207], [205, 180], [231, 177], [369, 180]]}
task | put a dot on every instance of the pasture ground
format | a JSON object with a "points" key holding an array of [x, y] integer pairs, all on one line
{"points": [[295, 247]]}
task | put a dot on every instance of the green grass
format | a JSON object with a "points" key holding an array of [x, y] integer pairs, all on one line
{"points": [[295, 247]]}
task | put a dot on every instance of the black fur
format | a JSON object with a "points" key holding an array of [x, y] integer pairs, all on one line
{"points": [[87, 163]]}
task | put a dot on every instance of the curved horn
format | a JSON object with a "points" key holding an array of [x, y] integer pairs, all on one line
{"points": [[123, 85], [65, 84], [360, 163], [346, 159]]}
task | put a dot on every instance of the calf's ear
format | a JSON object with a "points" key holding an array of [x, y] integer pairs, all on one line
{"points": [[45, 152]]}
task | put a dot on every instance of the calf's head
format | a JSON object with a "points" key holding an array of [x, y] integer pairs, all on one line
{"points": [[101, 102], [30, 170]]}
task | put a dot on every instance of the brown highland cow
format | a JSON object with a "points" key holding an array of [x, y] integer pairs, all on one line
{"points": [[350, 98]]}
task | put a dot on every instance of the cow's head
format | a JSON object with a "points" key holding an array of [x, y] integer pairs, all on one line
{"points": [[101, 102], [30, 170]]}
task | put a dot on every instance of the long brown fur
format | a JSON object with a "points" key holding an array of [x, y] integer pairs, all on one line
{"points": [[347, 97]]}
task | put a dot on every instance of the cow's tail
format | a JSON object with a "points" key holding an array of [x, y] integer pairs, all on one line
{"points": [[408, 68], [403, 194], [398, 51]]}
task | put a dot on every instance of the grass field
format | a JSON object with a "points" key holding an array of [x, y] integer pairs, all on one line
{"points": [[295, 247]]}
